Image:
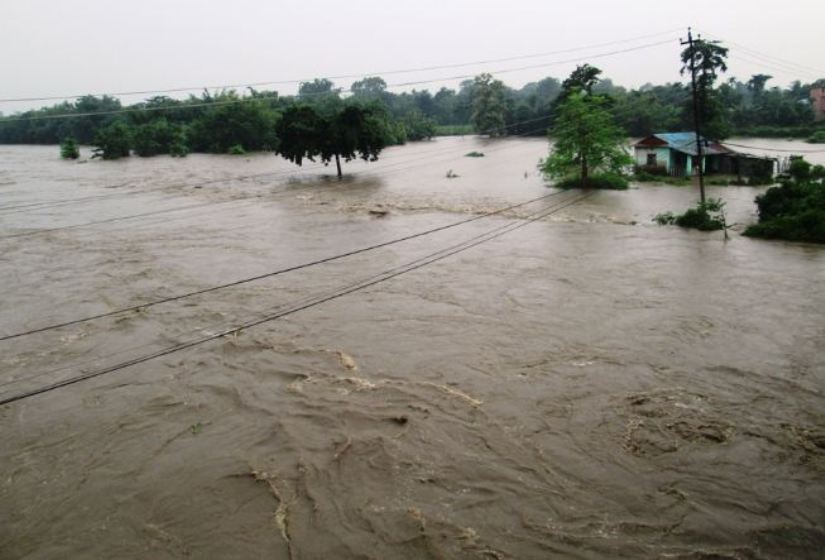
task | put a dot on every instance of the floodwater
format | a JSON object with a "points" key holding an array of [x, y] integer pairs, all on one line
{"points": [[590, 385]]}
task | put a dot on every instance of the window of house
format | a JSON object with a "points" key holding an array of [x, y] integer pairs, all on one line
{"points": [[651, 159]]}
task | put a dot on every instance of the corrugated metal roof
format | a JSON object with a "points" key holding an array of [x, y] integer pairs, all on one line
{"points": [[685, 142]]}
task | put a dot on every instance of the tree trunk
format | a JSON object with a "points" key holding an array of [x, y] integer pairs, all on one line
{"points": [[584, 172], [338, 164]]}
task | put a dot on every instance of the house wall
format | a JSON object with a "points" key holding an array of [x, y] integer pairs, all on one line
{"points": [[818, 103], [662, 157]]}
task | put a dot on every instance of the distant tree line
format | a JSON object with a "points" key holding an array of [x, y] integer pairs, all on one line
{"points": [[249, 121]]}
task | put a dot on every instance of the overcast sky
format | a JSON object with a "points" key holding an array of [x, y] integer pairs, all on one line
{"points": [[54, 47]]}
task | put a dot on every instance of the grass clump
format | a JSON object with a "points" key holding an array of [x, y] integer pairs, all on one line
{"points": [[474, 154]]}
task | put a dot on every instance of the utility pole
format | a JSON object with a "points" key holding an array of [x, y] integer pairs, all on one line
{"points": [[696, 123]]}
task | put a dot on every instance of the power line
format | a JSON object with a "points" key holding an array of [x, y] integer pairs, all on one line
{"points": [[271, 274], [389, 86], [786, 62], [377, 279], [771, 66], [345, 76]]}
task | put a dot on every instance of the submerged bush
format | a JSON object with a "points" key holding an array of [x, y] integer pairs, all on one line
{"points": [[610, 181], [159, 137], [817, 137], [706, 216], [69, 149], [236, 150], [794, 211], [112, 141]]}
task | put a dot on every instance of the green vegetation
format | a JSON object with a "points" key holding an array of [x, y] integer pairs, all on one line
{"points": [[236, 150], [488, 106], [709, 60], [589, 147], [334, 130], [157, 137], [113, 141], [214, 122], [817, 137], [453, 129], [69, 149], [643, 176], [707, 216], [795, 210], [474, 154], [610, 181]]}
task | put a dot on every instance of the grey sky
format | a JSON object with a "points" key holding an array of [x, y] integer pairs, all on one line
{"points": [[51, 47]]}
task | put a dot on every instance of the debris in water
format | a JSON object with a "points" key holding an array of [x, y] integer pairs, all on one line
{"points": [[456, 393], [379, 211], [346, 360], [344, 448], [282, 512]]}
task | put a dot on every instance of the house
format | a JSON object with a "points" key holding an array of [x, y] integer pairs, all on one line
{"points": [[818, 102], [675, 153]]}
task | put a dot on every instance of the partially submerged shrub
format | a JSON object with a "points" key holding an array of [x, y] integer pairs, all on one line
{"points": [[474, 154], [236, 150], [112, 141], [69, 149], [159, 137], [817, 137], [610, 181], [794, 210], [707, 216]]}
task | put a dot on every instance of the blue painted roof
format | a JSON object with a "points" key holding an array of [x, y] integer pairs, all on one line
{"points": [[685, 142], [676, 139]]}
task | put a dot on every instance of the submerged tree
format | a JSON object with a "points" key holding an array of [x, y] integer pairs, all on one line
{"points": [[587, 143], [339, 132], [488, 106]]}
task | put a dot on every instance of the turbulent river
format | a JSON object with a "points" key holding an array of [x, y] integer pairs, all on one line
{"points": [[587, 385]]}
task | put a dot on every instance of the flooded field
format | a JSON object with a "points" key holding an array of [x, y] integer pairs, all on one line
{"points": [[589, 385]]}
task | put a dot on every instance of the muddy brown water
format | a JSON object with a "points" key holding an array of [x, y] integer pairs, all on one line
{"points": [[588, 386]]}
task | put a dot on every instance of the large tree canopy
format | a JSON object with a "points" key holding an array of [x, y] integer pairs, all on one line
{"points": [[343, 131], [586, 141]]}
